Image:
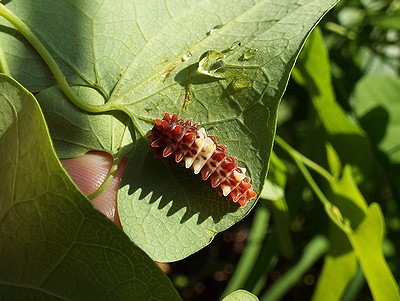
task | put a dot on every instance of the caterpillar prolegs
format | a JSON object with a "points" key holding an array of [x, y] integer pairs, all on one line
{"points": [[189, 144]]}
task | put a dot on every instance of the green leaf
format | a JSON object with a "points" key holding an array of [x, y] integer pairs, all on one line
{"points": [[349, 211], [348, 199], [223, 64], [75, 132], [54, 244], [236, 101], [274, 188], [240, 295], [387, 22], [364, 227], [340, 263], [367, 243], [340, 266], [335, 165], [274, 191], [376, 104], [349, 141]]}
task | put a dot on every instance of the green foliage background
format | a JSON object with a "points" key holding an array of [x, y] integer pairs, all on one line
{"points": [[328, 213]]}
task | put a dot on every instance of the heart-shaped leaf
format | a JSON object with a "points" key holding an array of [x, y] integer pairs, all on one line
{"points": [[224, 64]]}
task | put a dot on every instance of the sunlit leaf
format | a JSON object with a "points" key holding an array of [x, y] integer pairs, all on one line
{"points": [[236, 101], [240, 295], [364, 227], [376, 104], [340, 265], [367, 243], [349, 140], [387, 22], [223, 64]]}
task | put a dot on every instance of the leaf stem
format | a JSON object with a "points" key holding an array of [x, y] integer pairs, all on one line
{"points": [[50, 62], [297, 156], [301, 162], [105, 183], [314, 186]]}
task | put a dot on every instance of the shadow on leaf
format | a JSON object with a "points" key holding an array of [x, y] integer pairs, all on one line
{"points": [[167, 186]]}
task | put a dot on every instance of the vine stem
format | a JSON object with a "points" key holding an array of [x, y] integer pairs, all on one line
{"points": [[106, 182], [297, 156], [50, 62], [3, 63], [301, 162]]}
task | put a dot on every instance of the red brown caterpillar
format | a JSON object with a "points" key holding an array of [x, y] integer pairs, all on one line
{"points": [[202, 153]]}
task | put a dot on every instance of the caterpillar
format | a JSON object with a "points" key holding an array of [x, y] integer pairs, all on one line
{"points": [[185, 142]]}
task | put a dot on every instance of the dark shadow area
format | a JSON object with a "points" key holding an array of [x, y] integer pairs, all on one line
{"points": [[353, 149], [12, 32], [375, 123], [166, 182], [349, 210]]}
